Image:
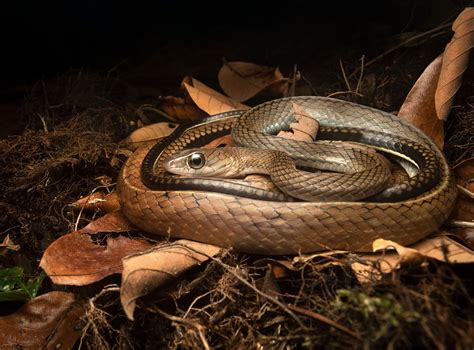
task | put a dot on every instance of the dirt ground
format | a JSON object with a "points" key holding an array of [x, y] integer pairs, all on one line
{"points": [[60, 134]]}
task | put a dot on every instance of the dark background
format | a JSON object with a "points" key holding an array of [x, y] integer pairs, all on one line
{"points": [[42, 38]]}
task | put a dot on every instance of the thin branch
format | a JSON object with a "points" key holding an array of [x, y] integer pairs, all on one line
{"points": [[324, 319], [344, 75]]}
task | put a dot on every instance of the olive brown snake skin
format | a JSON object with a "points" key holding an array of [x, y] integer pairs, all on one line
{"points": [[218, 211]]}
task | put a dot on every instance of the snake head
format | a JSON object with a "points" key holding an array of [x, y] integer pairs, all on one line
{"points": [[217, 162]]}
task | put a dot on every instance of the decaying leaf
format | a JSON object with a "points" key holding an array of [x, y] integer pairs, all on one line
{"points": [[108, 202], [419, 106], [146, 271], [50, 321], [148, 133], [74, 259], [8, 244], [244, 80], [440, 248], [304, 129], [455, 62], [209, 100], [180, 108]]}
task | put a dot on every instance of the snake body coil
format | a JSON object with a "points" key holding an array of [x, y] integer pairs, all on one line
{"points": [[211, 211]]}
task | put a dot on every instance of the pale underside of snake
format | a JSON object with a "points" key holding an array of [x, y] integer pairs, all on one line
{"points": [[248, 219]]}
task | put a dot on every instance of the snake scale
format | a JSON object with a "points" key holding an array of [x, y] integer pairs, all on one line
{"points": [[267, 223]]}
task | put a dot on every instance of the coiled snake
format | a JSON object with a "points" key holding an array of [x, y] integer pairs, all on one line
{"points": [[229, 214]]}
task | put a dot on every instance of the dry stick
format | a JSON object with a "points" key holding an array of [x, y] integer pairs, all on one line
{"points": [[403, 43], [195, 325], [293, 81], [465, 191], [325, 320], [461, 224], [344, 75], [361, 73], [343, 92]]}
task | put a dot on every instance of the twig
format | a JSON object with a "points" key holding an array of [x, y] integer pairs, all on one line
{"points": [[465, 191], [462, 224], [342, 93], [195, 325], [325, 320], [293, 81], [45, 127], [361, 73], [344, 75]]}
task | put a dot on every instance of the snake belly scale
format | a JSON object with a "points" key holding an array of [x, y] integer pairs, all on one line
{"points": [[274, 225]]}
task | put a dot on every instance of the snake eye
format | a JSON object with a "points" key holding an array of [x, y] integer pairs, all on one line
{"points": [[196, 160]]}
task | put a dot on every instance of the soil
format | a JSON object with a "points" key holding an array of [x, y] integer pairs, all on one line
{"points": [[62, 122]]}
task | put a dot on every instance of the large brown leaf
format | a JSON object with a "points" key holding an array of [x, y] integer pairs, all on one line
{"points": [[419, 107], [244, 80], [455, 62], [50, 321], [148, 133], [180, 108], [209, 100], [74, 259], [144, 272]]}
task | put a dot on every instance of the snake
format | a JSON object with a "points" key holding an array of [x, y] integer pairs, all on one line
{"points": [[230, 214]]}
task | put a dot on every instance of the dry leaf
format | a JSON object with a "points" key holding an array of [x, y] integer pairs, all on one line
{"points": [[439, 248], [146, 271], [244, 80], [180, 108], [455, 62], [8, 244], [209, 100], [74, 259], [148, 133], [419, 107], [108, 202], [50, 321], [304, 129], [406, 254]]}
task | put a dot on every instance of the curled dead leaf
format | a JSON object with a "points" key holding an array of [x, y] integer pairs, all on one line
{"points": [[440, 248], [455, 62], [419, 106], [209, 100], [180, 108], [144, 272], [74, 259], [108, 202], [244, 80], [50, 321]]}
